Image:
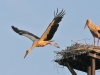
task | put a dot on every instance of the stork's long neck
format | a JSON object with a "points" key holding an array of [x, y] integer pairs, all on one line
{"points": [[33, 46], [89, 25]]}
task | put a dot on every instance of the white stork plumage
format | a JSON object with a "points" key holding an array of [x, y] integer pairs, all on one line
{"points": [[46, 37], [94, 29]]}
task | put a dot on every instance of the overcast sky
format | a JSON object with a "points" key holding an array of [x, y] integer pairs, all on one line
{"points": [[35, 16]]}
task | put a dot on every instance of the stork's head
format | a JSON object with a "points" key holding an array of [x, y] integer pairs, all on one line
{"points": [[27, 51], [87, 23]]}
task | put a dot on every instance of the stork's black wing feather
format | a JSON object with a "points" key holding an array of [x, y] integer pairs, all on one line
{"points": [[25, 33], [53, 26], [98, 31], [52, 32]]}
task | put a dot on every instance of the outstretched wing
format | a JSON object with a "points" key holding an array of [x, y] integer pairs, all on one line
{"points": [[53, 26], [25, 33]]}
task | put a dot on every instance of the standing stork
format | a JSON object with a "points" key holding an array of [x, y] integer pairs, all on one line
{"points": [[94, 29], [46, 37]]}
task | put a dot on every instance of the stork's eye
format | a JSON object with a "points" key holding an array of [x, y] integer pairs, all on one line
{"points": [[87, 20]]}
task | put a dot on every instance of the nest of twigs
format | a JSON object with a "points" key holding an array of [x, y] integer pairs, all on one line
{"points": [[77, 49]]}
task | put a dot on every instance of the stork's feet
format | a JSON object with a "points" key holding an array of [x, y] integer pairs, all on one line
{"points": [[56, 45]]}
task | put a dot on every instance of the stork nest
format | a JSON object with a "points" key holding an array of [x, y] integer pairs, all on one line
{"points": [[77, 49]]}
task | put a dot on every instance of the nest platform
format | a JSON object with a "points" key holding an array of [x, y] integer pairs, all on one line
{"points": [[82, 57]]}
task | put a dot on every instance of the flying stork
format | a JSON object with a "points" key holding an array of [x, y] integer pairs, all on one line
{"points": [[94, 29], [46, 37]]}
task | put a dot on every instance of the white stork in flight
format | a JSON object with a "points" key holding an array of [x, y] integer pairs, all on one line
{"points": [[94, 29], [46, 37]]}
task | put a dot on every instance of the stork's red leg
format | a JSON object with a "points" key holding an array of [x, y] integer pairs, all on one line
{"points": [[55, 44], [98, 42], [94, 41]]}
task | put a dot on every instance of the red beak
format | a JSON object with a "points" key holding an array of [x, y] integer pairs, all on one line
{"points": [[26, 54], [85, 26]]}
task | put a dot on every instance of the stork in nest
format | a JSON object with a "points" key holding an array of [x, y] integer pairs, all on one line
{"points": [[94, 29]]}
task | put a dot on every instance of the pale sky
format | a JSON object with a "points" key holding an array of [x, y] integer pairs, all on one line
{"points": [[35, 16]]}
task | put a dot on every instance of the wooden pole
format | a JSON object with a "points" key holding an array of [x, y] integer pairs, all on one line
{"points": [[89, 70], [93, 67], [70, 69]]}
